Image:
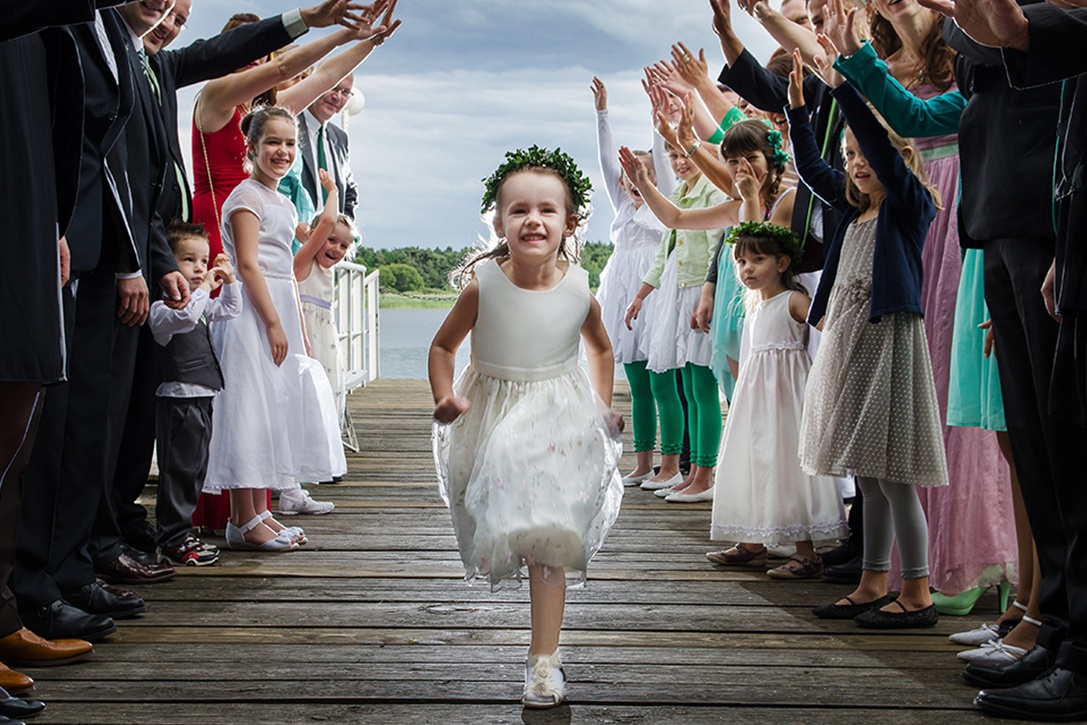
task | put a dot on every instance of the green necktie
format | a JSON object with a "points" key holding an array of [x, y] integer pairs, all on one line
{"points": [[322, 162], [152, 79]]}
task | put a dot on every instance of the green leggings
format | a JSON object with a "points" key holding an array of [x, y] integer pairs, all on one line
{"points": [[654, 394], [703, 414]]}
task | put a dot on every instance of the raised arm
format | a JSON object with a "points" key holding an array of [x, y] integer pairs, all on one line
{"points": [[303, 259], [703, 155], [824, 180], [299, 96], [714, 217], [605, 145], [788, 34]]}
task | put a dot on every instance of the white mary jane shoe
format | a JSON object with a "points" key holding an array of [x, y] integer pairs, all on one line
{"points": [[545, 681], [993, 653], [235, 537]]}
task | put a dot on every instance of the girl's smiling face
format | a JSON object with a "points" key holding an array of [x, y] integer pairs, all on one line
{"points": [[336, 246], [533, 214], [683, 167], [275, 151], [757, 159]]}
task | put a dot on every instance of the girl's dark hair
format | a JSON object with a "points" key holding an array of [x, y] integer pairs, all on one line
{"points": [[937, 57], [771, 247], [254, 122], [461, 276], [750, 137]]}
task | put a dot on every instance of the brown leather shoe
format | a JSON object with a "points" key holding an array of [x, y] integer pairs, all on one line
{"points": [[28, 649], [14, 682], [126, 570]]}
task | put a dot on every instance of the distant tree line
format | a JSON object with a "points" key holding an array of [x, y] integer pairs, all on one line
{"points": [[414, 269]]}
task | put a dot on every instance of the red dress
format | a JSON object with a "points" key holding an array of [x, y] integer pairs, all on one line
{"points": [[225, 157], [218, 161]]}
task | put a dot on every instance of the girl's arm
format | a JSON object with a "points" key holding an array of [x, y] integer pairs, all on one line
{"points": [[668, 75], [443, 354], [219, 97], [666, 178], [788, 34], [303, 260], [783, 215], [799, 304], [714, 217], [245, 227], [907, 114], [605, 145], [702, 155], [824, 180], [635, 307], [696, 72], [598, 351]]}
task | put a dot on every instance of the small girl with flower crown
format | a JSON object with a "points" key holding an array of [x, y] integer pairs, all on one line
{"points": [[762, 495], [525, 443]]}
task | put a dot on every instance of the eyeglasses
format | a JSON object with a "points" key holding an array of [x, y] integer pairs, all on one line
{"points": [[345, 92], [178, 21]]}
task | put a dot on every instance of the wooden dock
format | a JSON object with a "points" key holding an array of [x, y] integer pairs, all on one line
{"points": [[373, 623]]}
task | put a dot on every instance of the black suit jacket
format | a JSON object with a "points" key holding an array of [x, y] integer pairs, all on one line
{"points": [[196, 63], [338, 155], [769, 92], [1007, 141], [99, 231]]}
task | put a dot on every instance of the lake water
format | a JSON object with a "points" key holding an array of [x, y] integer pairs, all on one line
{"points": [[405, 342]]}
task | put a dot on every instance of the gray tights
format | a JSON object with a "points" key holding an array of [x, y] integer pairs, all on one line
{"points": [[892, 510]]}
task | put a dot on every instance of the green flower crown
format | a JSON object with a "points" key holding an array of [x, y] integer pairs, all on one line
{"points": [[784, 236], [536, 157]]}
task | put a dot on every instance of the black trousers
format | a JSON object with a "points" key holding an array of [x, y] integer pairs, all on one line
{"points": [[1048, 450], [65, 479], [183, 429]]}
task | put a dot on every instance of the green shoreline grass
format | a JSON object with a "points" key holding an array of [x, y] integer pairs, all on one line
{"points": [[417, 300]]}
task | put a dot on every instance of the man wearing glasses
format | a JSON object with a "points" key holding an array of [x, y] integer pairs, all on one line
{"points": [[323, 145]]}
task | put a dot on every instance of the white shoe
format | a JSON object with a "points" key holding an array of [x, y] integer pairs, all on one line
{"points": [[993, 653], [666, 492], [298, 501], [976, 637], [631, 481], [545, 681], [706, 495], [651, 485]]}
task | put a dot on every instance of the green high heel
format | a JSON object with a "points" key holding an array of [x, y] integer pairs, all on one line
{"points": [[962, 604]]}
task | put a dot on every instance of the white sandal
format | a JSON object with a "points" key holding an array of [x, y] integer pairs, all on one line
{"points": [[235, 537]]}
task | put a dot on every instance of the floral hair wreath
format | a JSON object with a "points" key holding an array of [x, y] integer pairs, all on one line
{"points": [[785, 237], [775, 140], [536, 157]]}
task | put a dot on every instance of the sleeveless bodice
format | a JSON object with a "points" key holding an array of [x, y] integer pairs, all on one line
{"points": [[528, 334]]}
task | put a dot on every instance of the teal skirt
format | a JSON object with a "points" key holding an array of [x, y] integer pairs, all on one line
{"points": [[727, 325], [974, 398]]}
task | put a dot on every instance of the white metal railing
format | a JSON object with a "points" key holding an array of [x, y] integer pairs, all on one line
{"points": [[355, 309]]}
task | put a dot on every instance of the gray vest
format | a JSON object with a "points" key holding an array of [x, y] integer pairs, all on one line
{"points": [[190, 358]]}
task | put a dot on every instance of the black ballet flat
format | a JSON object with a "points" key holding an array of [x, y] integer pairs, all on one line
{"points": [[851, 610], [878, 619]]}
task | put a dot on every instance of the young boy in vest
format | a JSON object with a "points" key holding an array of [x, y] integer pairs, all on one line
{"points": [[191, 379]]}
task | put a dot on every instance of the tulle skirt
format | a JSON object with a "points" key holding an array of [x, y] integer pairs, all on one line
{"points": [[619, 284], [530, 475], [672, 342]]}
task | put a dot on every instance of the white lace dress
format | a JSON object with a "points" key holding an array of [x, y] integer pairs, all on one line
{"points": [[272, 426], [315, 293], [530, 471], [761, 494]]}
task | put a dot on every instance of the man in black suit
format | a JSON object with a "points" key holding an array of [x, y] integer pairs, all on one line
{"points": [[324, 145], [41, 83], [1019, 114], [65, 478]]}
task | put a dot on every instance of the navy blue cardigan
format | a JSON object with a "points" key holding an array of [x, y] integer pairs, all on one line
{"points": [[904, 216]]}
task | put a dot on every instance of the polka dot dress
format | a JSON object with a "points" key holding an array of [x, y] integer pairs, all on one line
{"points": [[870, 408]]}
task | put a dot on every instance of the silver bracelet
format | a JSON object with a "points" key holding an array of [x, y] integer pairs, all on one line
{"points": [[694, 147]]}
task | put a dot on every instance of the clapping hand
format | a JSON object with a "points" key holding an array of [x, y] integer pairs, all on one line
{"points": [[223, 270], [796, 81], [327, 182], [746, 182], [600, 94], [722, 17], [331, 12], [995, 23], [666, 74], [634, 168], [840, 27], [692, 70], [388, 26]]}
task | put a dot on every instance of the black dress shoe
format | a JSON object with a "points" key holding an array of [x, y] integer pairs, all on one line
{"points": [[903, 619], [1030, 666], [143, 557], [847, 573], [841, 554], [126, 570], [100, 598], [8, 721], [141, 537], [1057, 695], [18, 707], [61, 620]]}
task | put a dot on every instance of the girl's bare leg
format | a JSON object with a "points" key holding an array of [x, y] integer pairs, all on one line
{"points": [[547, 595]]}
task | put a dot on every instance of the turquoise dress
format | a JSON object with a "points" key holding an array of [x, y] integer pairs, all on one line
{"points": [[291, 187], [727, 324]]}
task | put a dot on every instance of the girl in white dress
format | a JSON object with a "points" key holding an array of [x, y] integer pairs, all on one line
{"points": [[763, 496], [327, 244], [275, 422], [526, 445], [635, 235]]}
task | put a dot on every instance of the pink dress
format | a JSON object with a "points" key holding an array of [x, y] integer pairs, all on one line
{"points": [[971, 523]]}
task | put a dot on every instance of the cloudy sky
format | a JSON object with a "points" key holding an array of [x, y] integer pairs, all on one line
{"points": [[462, 81]]}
